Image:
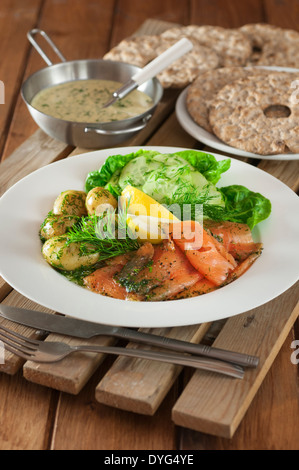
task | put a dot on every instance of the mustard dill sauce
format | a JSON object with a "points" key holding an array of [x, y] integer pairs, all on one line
{"points": [[83, 100]]}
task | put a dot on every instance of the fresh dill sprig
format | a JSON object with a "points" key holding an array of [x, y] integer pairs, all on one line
{"points": [[189, 193], [107, 234], [194, 203]]}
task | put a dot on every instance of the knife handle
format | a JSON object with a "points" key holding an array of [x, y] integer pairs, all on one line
{"points": [[161, 62], [222, 367], [241, 359]]}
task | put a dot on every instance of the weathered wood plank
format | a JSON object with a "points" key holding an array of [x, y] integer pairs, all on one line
{"points": [[140, 386], [274, 409], [72, 373], [4, 289], [37, 151], [16, 18], [25, 414], [131, 14], [232, 14], [84, 424], [13, 363], [216, 405], [285, 171], [283, 13]]}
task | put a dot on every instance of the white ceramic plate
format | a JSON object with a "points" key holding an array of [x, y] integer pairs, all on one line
{"points": [[207, 138], [24, 206]]}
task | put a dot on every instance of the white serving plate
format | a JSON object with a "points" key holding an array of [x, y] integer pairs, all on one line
{"points": [[207, 138], [24, 206]]}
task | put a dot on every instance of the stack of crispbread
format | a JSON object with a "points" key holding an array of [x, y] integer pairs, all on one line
{"points": [[244, 106]]}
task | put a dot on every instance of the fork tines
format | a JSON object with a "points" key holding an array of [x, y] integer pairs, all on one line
{"points": [[17, 344]]}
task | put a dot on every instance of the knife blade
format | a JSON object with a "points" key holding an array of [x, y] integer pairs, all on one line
{"points": [[70, 326]]}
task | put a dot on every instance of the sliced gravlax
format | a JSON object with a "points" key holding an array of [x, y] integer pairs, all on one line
{"points": [[169, 273], [182, 275], [203, 252], [229, 232], [102, 281], [120, 259], [236, 238], [140, 259], [245, 264], [241, 251], [203, 286]]}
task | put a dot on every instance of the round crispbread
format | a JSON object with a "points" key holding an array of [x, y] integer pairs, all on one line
{"points": [[203, 90], [183, 71], [272, 45], [232, 46], [238, 118], [137, 50]]}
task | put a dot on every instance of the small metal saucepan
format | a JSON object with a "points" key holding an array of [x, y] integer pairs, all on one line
{"points": [[80, 134]]}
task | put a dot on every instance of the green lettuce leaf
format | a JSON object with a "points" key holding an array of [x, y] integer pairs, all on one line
{"points": [[241, 205], [235, 203], [206, 164], [110, 171], [245, 206], [167, 178], [112, 168]]}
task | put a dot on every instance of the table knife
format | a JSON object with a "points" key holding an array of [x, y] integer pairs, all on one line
{"points": [[70, 326]]}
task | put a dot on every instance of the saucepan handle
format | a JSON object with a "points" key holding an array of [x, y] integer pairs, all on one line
{"points": [[30, 36], [137, 128]]}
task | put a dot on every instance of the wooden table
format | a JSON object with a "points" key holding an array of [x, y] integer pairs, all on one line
{"points": [[40, 417]]}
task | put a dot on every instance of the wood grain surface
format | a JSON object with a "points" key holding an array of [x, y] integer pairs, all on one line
{"points": [[56, 419]]}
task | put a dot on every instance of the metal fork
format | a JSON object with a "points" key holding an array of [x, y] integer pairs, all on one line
{"points": [[46, 351]]}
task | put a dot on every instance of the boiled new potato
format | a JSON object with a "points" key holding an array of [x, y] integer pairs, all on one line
{"points": [[70, 202], [98, 200], [68, 257], [56, 225]]}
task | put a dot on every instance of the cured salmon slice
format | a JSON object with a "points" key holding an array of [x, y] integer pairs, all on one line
{"points": [[179, 275], [229, 233], [241, 251], [245, 264], [120, 259], [224, 252], [169, 273], [102, 282], [192, 262], [236, 238], [199, 288], [138, 261], [202, 251]]}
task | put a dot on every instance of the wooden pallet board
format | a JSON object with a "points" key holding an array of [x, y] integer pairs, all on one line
{"points": [[139, 385], [216, 405]]}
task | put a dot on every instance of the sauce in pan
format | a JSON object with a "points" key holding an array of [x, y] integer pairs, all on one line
{"points": [[83, 100]]}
